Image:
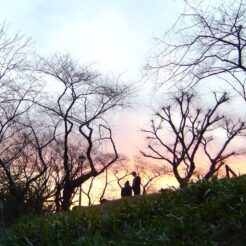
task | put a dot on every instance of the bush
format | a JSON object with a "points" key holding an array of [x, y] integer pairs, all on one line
{"points": [[19, 202]]}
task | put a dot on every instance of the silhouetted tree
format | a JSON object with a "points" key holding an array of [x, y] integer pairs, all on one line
{"points": [[95, 194], [121, 170], [79, 111], [149, 173], [206, 41], [180, 132], [20, 164]]}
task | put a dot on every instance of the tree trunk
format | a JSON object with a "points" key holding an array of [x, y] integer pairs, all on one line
{"points": [[183, 182], [67, 197]]}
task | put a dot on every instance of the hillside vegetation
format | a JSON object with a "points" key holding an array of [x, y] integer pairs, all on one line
{"points": [[206, 213]]}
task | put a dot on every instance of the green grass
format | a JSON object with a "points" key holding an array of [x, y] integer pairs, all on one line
{"points": [[211, 213]]}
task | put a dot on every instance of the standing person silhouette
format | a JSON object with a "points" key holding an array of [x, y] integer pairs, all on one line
{"points": [[126, 190], [136, 183]]}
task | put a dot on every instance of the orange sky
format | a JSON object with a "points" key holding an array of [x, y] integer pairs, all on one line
{"points": [[237, 164]]}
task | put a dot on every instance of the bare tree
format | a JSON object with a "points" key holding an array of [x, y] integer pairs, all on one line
{"points": [[149, 173], [87, 192], [205, 41], [20, 166], [180, 132], [112, 180], [15, 50], [26, 177], [121, 170], [25, 164], [95, 194], [102, 159], [79, 111]]}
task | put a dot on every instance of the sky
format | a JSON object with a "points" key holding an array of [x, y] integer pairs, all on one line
{"points": [[114, 35]]}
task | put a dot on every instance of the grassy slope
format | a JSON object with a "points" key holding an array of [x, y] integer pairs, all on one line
{"points": [[204, 214]]}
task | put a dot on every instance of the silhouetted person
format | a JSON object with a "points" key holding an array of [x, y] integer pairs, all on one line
{"points": [[136, 183], [126, 190]]}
